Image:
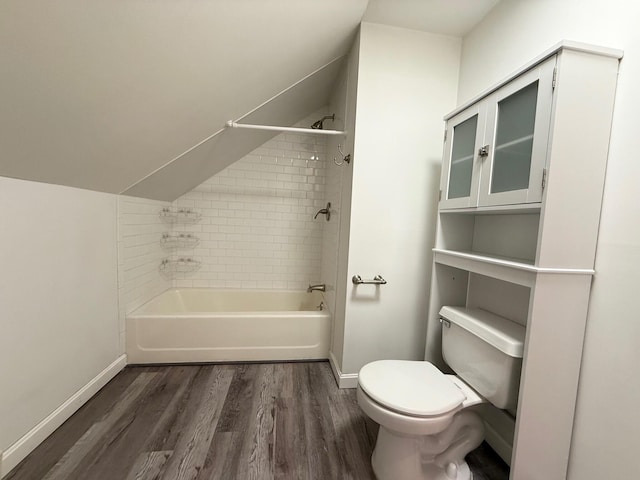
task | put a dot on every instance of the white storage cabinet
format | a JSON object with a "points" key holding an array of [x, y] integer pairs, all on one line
{"points": [[495, 151], [522, 182]]}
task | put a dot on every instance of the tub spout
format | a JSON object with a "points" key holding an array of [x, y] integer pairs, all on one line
{"points": [[320, 287]]}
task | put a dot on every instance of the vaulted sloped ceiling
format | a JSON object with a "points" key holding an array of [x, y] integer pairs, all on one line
{"points": [[102, 94], [228, 144], [113, 95]]}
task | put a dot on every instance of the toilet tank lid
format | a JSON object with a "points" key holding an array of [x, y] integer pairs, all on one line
{"points": [[502, 333]]}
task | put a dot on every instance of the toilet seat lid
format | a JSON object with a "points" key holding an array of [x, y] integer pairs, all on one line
{"points": [[410, 387]]}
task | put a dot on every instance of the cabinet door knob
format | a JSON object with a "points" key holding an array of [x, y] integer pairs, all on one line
{"points": [[483, 151]]}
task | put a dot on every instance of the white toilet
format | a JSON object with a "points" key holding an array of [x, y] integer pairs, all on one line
{"points": [[426, 427]]}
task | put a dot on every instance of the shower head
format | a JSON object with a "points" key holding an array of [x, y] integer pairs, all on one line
{"points": [[318, 125]]}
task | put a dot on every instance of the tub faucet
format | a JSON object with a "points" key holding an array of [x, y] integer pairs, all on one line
{"points": [[321, 287]]}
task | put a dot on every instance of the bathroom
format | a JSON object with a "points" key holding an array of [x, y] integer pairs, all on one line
{"points": [[73, 248]]}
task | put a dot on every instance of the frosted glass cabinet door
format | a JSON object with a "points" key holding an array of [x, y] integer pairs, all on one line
{"points": [[518, 119], [459, 181]]}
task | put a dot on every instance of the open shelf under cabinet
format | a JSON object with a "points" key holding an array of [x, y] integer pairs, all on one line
{"points": [[518, 271]]}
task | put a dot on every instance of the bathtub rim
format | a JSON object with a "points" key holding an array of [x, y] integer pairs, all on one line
{"points": [[141, 307], [253, 313]]}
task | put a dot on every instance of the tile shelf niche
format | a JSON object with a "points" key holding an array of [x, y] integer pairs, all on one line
{"points": [[524, 247]]}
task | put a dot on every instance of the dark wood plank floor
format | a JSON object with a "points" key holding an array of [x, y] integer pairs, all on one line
{"points": [[238, 421]]}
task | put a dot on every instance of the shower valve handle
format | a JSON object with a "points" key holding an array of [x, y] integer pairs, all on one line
{"points": [[324, 211]]}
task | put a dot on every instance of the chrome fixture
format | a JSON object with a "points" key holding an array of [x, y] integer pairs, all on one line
{"points": [[321, 306], [377, 280], [324, 211], [318, 125], [277, 128], [345, 158], [321, 287]]}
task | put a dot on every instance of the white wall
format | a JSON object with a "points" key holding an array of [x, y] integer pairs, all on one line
{"points": [[58, 302], [257, 228], [605, 441], [406, 81]]}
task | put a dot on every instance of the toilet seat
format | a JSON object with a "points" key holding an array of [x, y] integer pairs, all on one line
{"points": [[413, 388]]}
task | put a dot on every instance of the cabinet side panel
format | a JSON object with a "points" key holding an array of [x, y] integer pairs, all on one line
{"points": [[580, 144], [549, 383]]}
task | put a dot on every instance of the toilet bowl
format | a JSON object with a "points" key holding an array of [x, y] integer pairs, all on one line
{"points": [[427, 425], [426, 428]]}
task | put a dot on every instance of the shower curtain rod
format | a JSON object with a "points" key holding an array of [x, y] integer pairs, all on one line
{"points": [[313, 131]]}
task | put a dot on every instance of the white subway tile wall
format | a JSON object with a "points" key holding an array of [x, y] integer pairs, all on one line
{"points": [[140, 229], [257, 228]]}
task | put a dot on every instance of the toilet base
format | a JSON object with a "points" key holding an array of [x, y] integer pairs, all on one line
{"points": [[399, 456]]}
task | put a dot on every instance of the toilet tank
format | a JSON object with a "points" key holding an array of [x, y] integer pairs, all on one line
{"points": [[485, 350]]}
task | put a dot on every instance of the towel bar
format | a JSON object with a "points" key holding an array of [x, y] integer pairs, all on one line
{"points": [[377, 280]]}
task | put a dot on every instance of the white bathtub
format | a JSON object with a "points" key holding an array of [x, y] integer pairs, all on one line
{"points": [[210, 325]]}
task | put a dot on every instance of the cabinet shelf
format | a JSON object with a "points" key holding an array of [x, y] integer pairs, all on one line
{"points": [[513, 270], [496, 209]]}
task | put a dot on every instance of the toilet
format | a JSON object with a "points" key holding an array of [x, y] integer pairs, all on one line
{"points": [[426, 424]]}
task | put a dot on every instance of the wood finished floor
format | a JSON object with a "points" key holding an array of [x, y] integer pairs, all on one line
{"points": [[239, 421]]}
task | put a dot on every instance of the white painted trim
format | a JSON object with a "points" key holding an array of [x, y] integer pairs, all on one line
{"points": [[495, 209], [348, 380], [563, 45], [512, 263], [589, 48], [344, 380], [334, 367], [499, 444], [25, 445]]}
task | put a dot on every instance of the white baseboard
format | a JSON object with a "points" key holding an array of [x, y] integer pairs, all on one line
{"points": [[25, 445], [499, 444], [344, 380]]}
